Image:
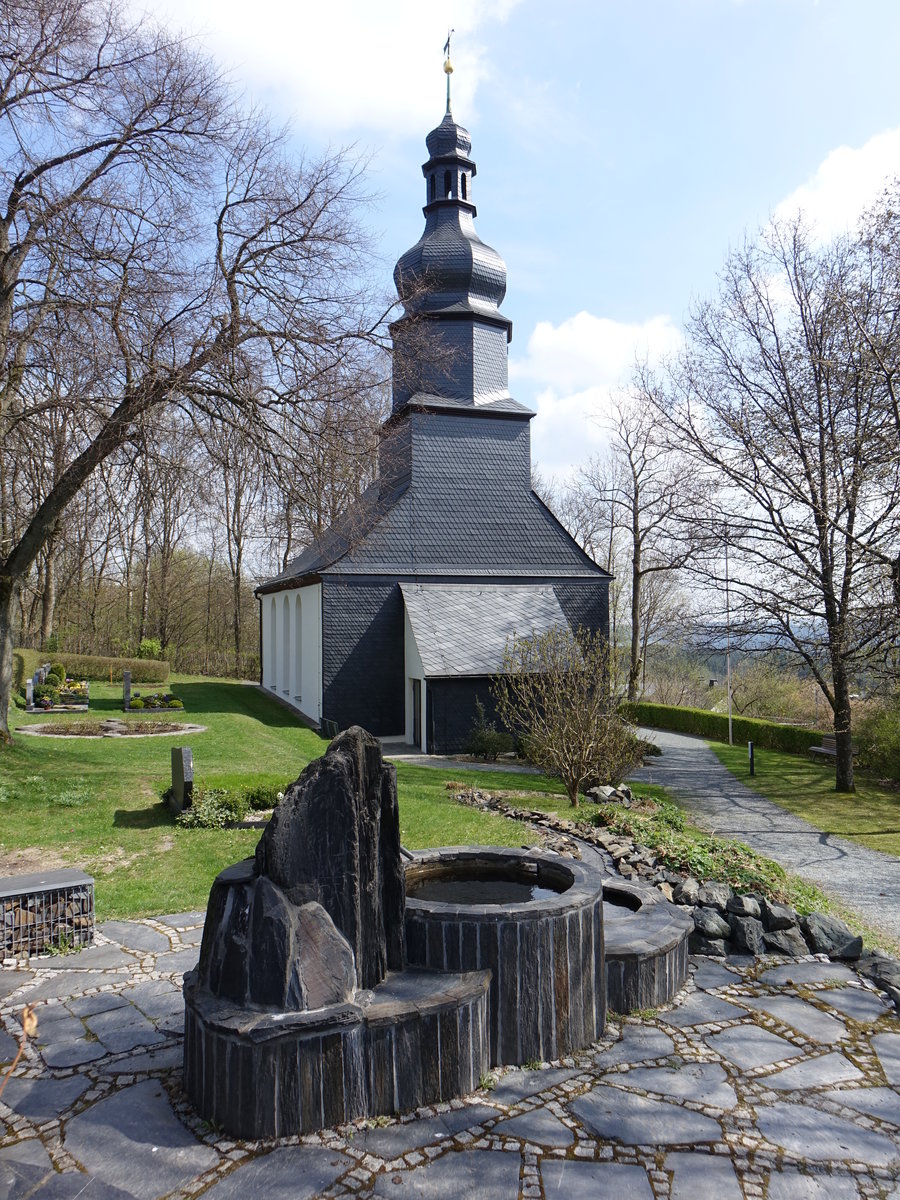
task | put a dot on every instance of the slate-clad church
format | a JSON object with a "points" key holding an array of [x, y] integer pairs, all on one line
{"points": [[398, 616]]}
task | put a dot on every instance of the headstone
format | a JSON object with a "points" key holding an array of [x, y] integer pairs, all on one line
{"points": [[29, 692], [126, 690], [182, 793], [38, 677]]}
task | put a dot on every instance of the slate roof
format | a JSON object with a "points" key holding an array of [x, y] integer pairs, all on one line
{"points": [[463, 629]]}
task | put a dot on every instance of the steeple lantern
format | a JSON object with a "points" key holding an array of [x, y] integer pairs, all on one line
{"points": [[451, 344]]}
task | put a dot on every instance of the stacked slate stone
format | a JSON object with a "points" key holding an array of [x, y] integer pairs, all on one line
{"points": [[319, 911], [725, 922], [300, 1015]]}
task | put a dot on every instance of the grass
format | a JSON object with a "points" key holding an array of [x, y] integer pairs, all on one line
{"points": [[870, 816], [95, 803]]}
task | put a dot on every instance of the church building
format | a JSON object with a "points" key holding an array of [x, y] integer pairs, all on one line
{"points": [[397, 618]]}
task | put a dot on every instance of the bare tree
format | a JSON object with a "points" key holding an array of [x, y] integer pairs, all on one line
{"points": [[651, 495], [155, 246], [777, 399], [554, 692]]}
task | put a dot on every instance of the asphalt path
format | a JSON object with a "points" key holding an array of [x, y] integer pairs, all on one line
{"points": [[866, 881]]}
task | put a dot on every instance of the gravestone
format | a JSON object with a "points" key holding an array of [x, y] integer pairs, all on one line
{"points": [[126, 690], [181, 794], [29, 692]]}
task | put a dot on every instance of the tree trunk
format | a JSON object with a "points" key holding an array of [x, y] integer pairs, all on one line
{"points": [[48, 599], [634, 668], [842, 734], [7, 619]]}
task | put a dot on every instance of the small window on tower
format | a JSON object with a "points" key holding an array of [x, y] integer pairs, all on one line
{"points": [[464, 188], [447, 191], [431, 188]]}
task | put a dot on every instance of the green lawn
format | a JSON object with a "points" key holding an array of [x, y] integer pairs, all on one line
{"points": [[870, 816], [95, 803]]}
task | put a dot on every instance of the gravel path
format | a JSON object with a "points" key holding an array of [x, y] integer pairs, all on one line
{"points": [[866, 881]]}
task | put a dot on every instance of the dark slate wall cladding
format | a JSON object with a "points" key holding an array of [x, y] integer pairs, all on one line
{"points": [[451, 712], [584, 606], [477, 454], [275, 1082], [489, 356], [362, 655], [548, 974], [646, 950]]}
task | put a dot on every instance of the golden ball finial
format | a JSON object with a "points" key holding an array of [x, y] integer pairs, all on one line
{"points": [[448, 66]]}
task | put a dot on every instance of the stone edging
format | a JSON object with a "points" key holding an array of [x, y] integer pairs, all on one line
{"points": [[40, 731], [725, 922]]}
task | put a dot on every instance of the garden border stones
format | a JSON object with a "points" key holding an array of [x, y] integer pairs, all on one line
{"points": [[725, 922]]}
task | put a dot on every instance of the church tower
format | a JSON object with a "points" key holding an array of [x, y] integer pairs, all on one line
{"points": [[398, 616], [452, 285]]}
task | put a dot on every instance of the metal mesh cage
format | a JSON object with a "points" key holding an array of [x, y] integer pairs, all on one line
{"points": [[52, 910]]}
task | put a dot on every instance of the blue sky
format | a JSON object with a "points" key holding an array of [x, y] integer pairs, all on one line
{"points": [[621, 147]]}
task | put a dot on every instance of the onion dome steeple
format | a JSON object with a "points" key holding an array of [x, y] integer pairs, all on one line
{"points": [[453, 281]]}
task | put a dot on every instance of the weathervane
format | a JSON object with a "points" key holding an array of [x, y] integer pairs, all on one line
{"points": [[448, 65]]}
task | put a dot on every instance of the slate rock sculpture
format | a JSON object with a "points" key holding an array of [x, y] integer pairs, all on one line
{"points": [[318, 912]]}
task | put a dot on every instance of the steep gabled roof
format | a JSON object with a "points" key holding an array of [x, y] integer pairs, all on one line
{"points": [[463, 629]]}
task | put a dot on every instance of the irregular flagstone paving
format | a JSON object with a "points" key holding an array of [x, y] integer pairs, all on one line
{"points": [[776, 1079]]}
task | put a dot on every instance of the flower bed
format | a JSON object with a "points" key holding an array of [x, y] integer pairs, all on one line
{"points": [[154, 701]]}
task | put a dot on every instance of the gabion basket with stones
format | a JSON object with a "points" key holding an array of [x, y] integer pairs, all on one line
{"points": [[50, 910]]}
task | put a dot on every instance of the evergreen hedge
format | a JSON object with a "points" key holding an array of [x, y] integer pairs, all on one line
{"points": [[767, 734], [93, 666]]}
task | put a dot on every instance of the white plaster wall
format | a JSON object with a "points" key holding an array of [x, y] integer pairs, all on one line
{"points": [[413, 669], [270, 642], [292, 647], [311, 667], [284, 654]]}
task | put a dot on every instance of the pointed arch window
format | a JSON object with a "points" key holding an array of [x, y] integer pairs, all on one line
{"points": [[447, 186], [431, 188], [464, 187]]}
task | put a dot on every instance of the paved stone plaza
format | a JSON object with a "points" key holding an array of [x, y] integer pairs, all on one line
{"points": [[776, 1079]]}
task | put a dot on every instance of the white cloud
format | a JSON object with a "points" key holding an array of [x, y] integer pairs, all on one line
{"points": [[345, 64], [571, 371], [846, 183]]}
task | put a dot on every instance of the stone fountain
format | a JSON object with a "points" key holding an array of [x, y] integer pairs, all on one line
{"points": [[300, 1013], [323, 994]]}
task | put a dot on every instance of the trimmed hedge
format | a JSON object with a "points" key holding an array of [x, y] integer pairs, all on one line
{"points": [[767, 734], [94, 666]]}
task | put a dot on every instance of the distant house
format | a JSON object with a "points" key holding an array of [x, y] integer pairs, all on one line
{"points": [[398, 616]]}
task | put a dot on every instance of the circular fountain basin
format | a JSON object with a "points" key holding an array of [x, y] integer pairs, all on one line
{"points": [[646, 945], [535, 921]]}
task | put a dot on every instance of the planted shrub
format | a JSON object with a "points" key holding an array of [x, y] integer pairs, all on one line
{"points": [[59, 671], [174, 703], [878, 738], [137, 703], [46, 691], [97, 666], [213, 808], [486, 740], [261, 796]]}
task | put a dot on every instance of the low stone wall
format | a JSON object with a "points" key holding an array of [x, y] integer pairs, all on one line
{"points": [[50, 909], [546, 958], [418, 1038], [646, 947]]}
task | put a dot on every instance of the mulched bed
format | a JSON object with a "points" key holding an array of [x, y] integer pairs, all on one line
{"points": [[139, 728]]}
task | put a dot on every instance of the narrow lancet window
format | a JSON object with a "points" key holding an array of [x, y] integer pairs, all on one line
{"points": [[447, 189], [431, 188], [464, 188]]}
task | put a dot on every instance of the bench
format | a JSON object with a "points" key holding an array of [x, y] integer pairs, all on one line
{"points": [[828, 749]]}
